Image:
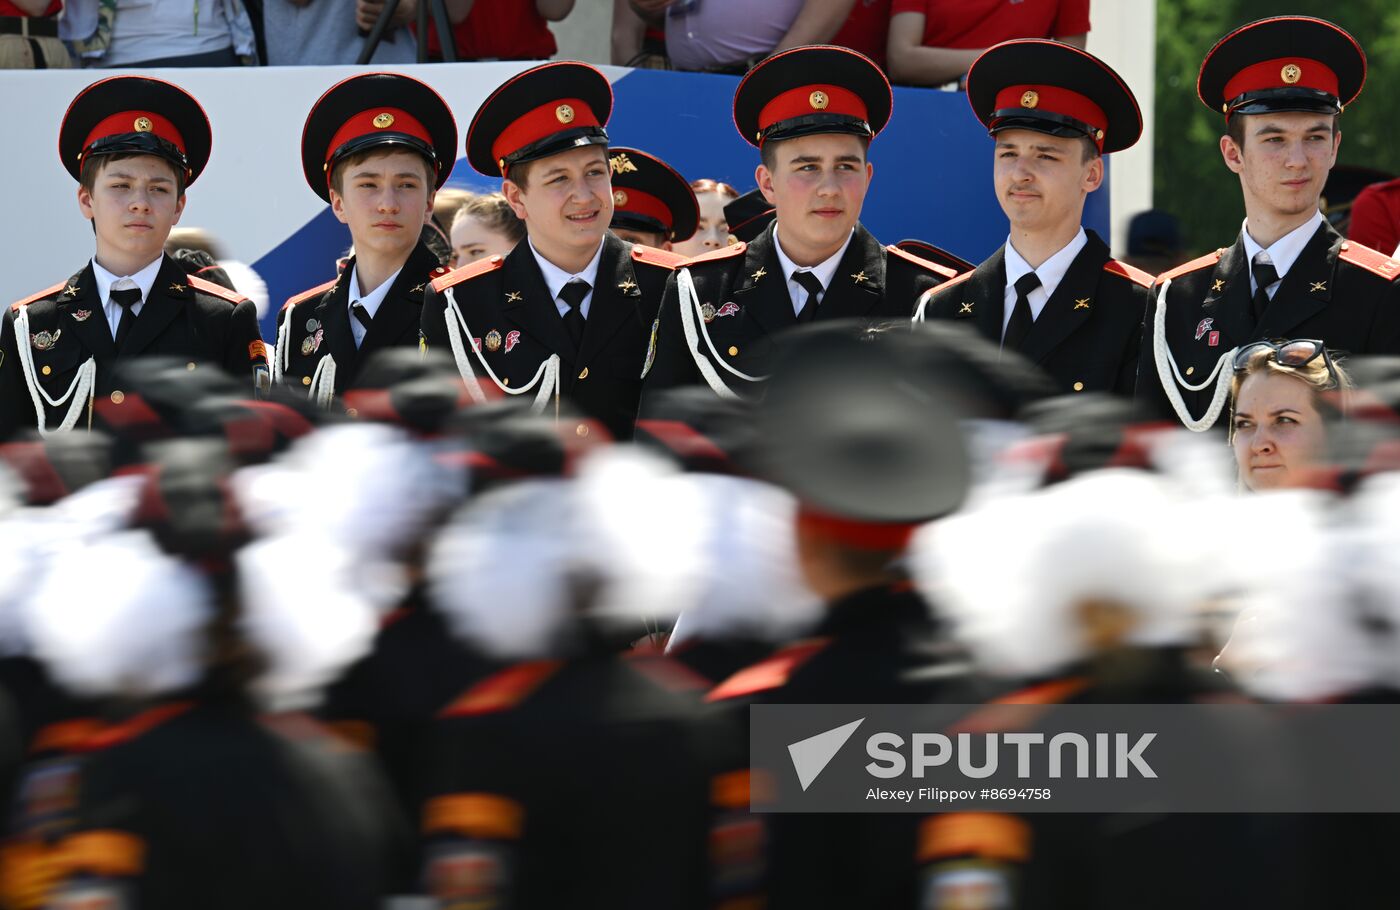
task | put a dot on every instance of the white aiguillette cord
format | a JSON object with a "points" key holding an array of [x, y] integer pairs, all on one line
{"points": [[1172, 380], [689, 309], [80, 392], [546, 377]]}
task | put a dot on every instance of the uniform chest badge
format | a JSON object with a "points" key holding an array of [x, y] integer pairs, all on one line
{"points": [[81, 315], [512, 339], [312, 343], [43, 341], [313, 324], [729, 309], [1203, 327], [493, 341], [708, 311]]}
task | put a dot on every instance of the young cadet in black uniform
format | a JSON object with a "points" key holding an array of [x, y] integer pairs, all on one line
{"points": [[1282, 84], [133, 144], [569, 309], [377, 147], [652, 204], [812, 112], [1052, 293]]}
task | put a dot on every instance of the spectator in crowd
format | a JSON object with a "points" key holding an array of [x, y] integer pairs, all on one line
{"points": [[445, 206], [933, 42], [501, 29], [713, 231], [29, 35], [331, 32], [1375, 217], [485, 225], [730, 36], [137, 34], [636, 43]]}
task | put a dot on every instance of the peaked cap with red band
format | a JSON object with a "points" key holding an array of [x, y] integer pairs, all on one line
{"points": [[937, 255], [543, 111], [749, 215], [1053, 88], [811, 90], [1287, 63], [648, 195], [373, 110], [135, 115]]}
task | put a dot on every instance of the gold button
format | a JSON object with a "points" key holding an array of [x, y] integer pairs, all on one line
{"points": [[306, 380], [584, 374], [581, 429], [46, 370], [733, 351], [190, 366], [505, 381], [1079, 386], [352, 412], [1190, 370], [118, 396]]}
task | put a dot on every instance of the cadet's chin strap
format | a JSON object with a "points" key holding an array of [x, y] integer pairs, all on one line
{"points": [[1171, 378], [924, 298], [690, 309], [546, 377], [80, 392]]}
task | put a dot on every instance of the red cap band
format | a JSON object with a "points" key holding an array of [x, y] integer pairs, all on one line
{"points": [[545, 120], [378, 120], [1054, 100], [135, 122], [626, 199], [1282, 72], [861, 535], [812, 99]]}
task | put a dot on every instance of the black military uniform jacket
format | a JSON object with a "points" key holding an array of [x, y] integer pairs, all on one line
{"points": [[745, 303], [318, 322], [184, 316], [516, 326], [1341, 292], [1087, 336]]}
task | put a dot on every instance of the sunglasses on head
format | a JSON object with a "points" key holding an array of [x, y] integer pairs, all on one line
{"points": [[1294, 354]]}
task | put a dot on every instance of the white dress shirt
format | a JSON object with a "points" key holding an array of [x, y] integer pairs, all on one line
{"points": [[1051, 272], [143, 280], [555, 278], [824, 270], [1283, 252], [370, 301]]}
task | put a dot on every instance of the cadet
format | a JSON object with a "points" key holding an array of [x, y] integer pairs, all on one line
{"points": [[1288, 274], [133, 144], [652, 204], [568, 311], [812, 112], [1053, 293], [377, 147]]}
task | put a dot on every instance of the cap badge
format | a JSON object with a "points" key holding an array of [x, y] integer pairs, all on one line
{"points": [[143, 125], [818, 100], [493, 341], [1291, 73], [564, 113], [81, 315], [619, 197], [1030, 98], [43, 341], [621, 164], [708, 312], [384, 121]]}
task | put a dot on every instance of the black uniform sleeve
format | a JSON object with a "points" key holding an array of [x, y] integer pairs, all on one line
{"points": [[245, 353], [1149, 399], [16, 407], [433, 328], [671, 362]]}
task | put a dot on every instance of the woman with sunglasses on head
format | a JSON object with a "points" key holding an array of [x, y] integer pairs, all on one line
{"points": [[1281, 408]]}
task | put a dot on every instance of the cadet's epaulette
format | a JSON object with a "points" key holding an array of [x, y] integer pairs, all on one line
{"points": [[1195, 265], [304, 296], [215, 290], [470, 270], [505, 689], [46, 292], [1372, 261], [1132, 273], [987, 835], [141, 724], [1050, 693], [922, 263], [950, 283], [665, 672], [734, 249], [652, 256], [768, 674]]}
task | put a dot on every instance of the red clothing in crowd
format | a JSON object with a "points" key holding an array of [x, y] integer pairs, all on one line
{"points": [[499, 29], [866, 29], [983, 23], [9, 9], [1375, 217]]}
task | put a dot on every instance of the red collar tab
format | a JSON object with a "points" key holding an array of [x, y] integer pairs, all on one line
{"points": [[552, 117], [1032, 100], [1281, 73], [806, 100]]}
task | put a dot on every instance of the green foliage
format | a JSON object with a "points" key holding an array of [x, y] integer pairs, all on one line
{"points": [[1190, 179]]}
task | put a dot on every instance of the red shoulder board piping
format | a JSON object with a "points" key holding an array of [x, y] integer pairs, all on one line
{"points": [[215, 290], [1372, 261], [304, 296], [934, 267], [652, 256], [506, 689], [770, 673], [669, 674], [39, 296], [470, 270], [1049, 693], [1132, 273], [950, 283], [141, 724], [1195, 265], [734, 249]]}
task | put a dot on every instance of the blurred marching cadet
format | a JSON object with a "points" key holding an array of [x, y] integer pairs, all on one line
{"points": [[133, 144], [1282, 84], [712, 231], [566, 313], [1052, 293], [377, 147], [1375, 216], [652, 204], [870, 448], [812, 112], [484, 226]]}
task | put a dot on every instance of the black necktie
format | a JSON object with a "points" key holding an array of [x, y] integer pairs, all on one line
{"points": [[813, 286], [573, 294], [1264, 277], [362, 315], [1021, 320], [126, 299]]}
